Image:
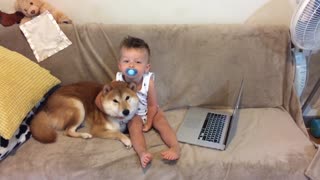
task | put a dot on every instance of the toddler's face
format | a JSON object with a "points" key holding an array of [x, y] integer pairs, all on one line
{"points": [[136, 59]]}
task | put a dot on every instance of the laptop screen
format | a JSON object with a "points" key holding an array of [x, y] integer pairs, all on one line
{"points": [[235, 116]]}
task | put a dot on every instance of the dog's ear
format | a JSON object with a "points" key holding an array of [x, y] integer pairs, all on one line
{"points": [[106, 88], [132, 86]]}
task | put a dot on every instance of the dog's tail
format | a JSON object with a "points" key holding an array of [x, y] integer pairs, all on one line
{"points": [[42, 128]]}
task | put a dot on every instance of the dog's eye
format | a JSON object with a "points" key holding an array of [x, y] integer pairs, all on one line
{"points": [[31, 3], [127, 98], [115, 101]]}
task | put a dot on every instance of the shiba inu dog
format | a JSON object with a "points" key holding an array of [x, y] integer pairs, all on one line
{"points": [[106, 109]]}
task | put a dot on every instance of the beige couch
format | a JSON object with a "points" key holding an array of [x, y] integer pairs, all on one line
{"points": [[195, 65]]}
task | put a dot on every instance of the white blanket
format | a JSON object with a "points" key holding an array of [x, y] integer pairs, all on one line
{"points": [[44, 36]]}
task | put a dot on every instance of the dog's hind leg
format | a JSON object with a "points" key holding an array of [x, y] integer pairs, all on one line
{"points": [[77, 118], [41, 128]]}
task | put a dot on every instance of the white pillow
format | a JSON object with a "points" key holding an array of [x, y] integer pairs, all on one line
{"points": [[44, 36]]}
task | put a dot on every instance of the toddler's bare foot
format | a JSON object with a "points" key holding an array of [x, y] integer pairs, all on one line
{"points": [[145, 159], [171, 154]]}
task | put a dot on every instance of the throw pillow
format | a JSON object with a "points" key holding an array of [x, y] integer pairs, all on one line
{"points": [[23, 84]]}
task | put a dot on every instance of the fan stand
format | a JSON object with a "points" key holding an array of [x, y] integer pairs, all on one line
{"points": [[307, 104], [301, 61]]}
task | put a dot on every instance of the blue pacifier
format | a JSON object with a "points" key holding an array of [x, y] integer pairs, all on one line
{"points": [[131, 72]]}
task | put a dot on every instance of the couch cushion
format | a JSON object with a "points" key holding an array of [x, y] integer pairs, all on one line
{"points": [[224, 53], [193, 64], [267, 145], [22, 85]]}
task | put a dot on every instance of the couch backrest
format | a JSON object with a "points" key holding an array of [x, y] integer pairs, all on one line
{"points": [[193, 64]]}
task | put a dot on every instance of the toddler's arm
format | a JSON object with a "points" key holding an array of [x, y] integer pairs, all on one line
{"points": [[152, 105]]}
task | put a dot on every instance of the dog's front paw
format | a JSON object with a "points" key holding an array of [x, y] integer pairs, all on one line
{"points": [[129, 146], [127, 143], [86, 135]]}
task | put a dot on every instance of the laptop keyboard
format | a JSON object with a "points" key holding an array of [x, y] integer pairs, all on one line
{"points": [[212, 127]]}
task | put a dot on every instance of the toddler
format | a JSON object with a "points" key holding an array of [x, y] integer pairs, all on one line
{"points": [[134, 65]]}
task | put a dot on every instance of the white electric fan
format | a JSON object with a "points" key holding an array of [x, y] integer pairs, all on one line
{"points": [[305, 35]]}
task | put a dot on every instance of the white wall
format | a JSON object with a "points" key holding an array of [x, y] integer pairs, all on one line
{"points": [[160, 11], [157, 11]]}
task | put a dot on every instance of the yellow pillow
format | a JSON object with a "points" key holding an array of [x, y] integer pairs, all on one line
{"points": [[22, 85]]}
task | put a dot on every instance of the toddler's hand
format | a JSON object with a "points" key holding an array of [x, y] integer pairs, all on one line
{"points": [[152, 111], [146, 127]]}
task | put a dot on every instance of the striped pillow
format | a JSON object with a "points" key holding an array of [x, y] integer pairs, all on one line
{"points": [[22, 85]]}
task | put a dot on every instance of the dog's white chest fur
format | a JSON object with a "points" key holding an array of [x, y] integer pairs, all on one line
{"points": [[116, 125]]}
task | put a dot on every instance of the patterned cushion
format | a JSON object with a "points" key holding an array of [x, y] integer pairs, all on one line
{"points": [[22, 134]]}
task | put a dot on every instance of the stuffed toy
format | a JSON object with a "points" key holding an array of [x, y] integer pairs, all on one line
{"points": [[10, 19], [32, 8]]}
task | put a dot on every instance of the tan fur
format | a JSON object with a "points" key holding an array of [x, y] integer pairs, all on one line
{"points": [[32, 8], [70, 105]]}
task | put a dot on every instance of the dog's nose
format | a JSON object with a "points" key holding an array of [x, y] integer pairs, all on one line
{"points": [[33, 12], [125, 112]]}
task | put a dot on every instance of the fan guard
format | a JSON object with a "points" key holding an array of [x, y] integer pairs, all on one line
{"points": [[305, 24]]}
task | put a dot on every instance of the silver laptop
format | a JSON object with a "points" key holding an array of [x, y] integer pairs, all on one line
{"points": [[209, 127]]}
